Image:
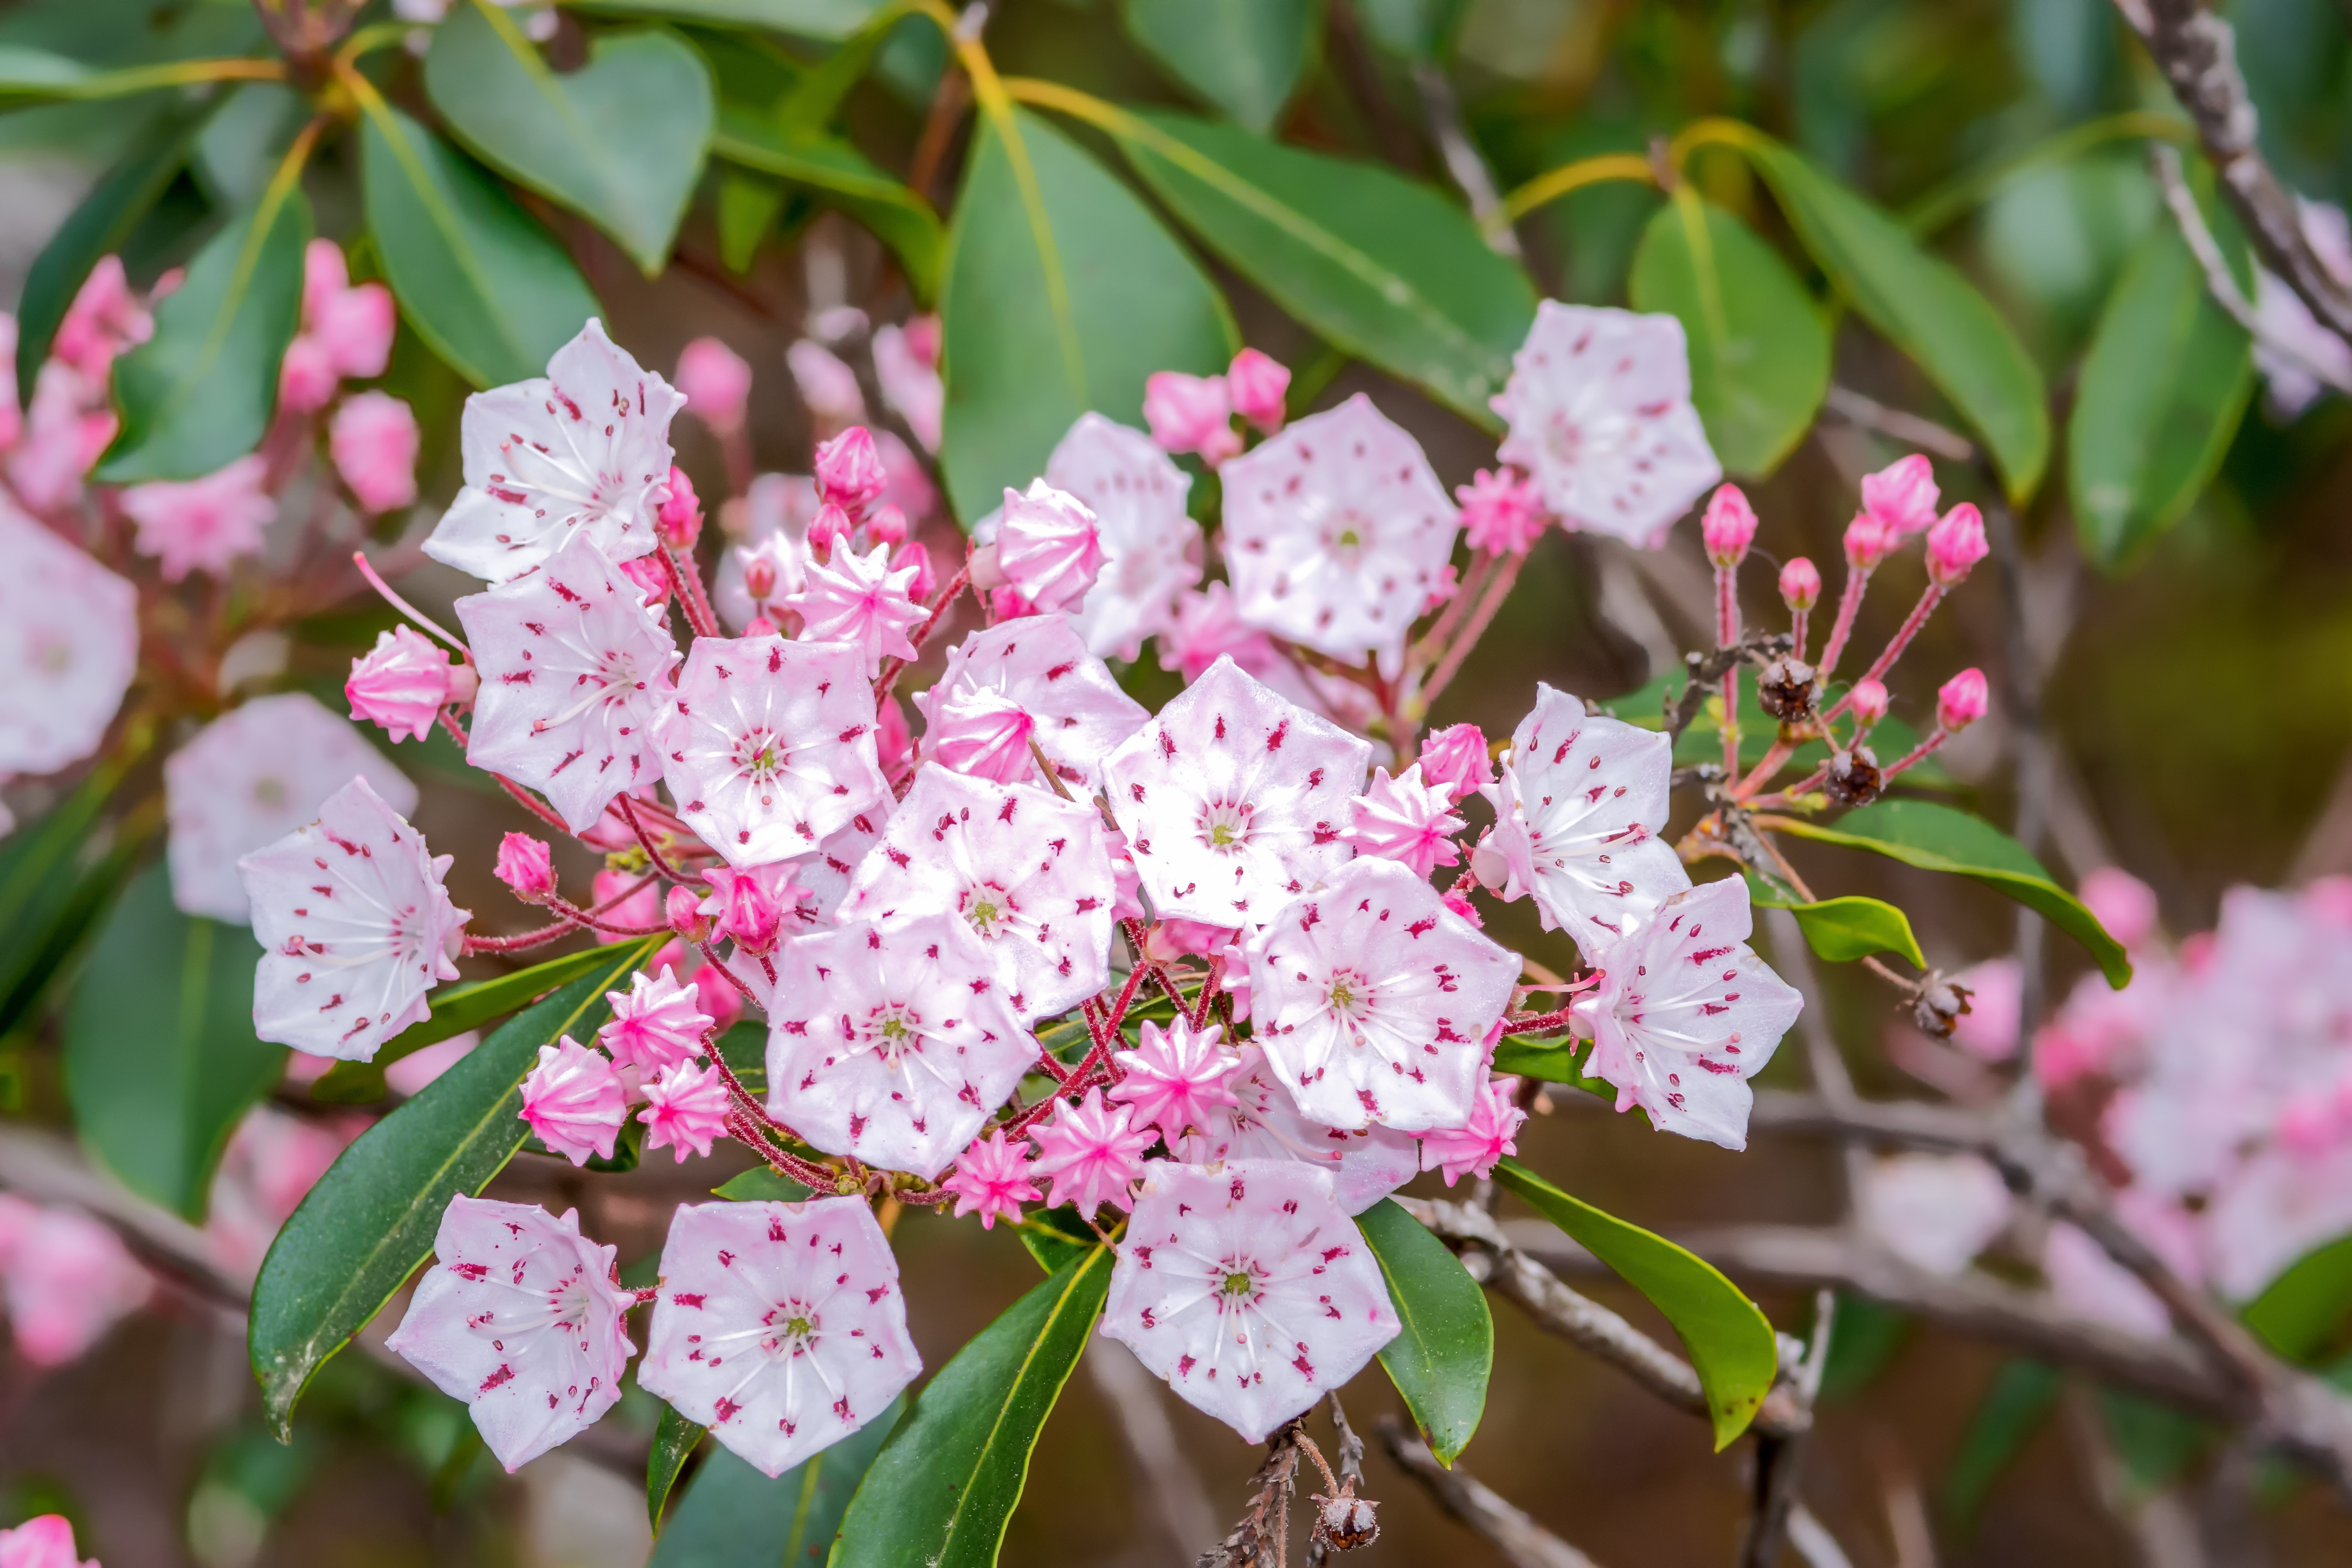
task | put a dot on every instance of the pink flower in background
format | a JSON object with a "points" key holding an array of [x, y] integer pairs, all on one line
{"points": [[1456, 758], [1048, 547], [68, 1281], [374, 441], [1475, 1148], [1987, 1030], [1902, 495], [68, 426], [527, 866], [911, 379], [346, 332], [203, 525], [2299, 358], [1406, 820], [2122, 902], [772, 561], [68, 647], [826, 385], [46, 1542], [573, 1101], [1150, 546], [1502, 511], [686, 1108], [1936, 1212], [1208, 627], [904, 484], [1093, 1152], [12, 412], [412, 1073], [1191, 413], [1256, 383], [716, 382], [1175, 1078], [104, 318], [656, 1023], [991, 1179], [1038, 667], [519, 1318], [402, 683], [862, 603], [272, 1162]]}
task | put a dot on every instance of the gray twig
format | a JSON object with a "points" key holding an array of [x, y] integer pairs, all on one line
{"points": [[1258, 1539], [1442, 109], [2220, 281], [1520, 1540], [1171, 1485], [1869, 413]]}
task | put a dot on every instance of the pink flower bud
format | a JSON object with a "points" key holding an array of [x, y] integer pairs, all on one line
{"points": [[1502, 511], [679, 520], [1457, 758], [1867, 542], [982, 734], [373, 439], [46, 1542], [682, 909], [923, 339], [926, 582], [885, 525], [1800, 584], [1902, 495], [686, 1108], [306, 376], [752, 902], [760, 580], [717, 382], [1963, 701], [575, 1101], [1005, 603], [1048, 547], [1460, 904], [524, 864], [2122, 902], [651, 581], [760, 626], [849, 471], [832, 527], [1869, 702], [1728, 528], [355, 330], [1256, 383], [1191, 413], [400, 683], [325, 275], [1955, 544]]}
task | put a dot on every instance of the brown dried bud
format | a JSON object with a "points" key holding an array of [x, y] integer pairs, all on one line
{"points": [[1346, 1522], [1786, 689], [1854, 778], [1939, 1006]]}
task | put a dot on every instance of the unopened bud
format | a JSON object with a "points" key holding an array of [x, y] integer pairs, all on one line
{"points": [[1785, 688], [1347, 1522], [685, 918], [1256, 384], [1728, 528], [1963, 701], [1800, 584], [1854, 778], [925, 581], [1490, 868], [1902, 495], [1869, 702], [849, 471], [760, 578], [680, 517], [1955, 544], [1867, 542], [830, 527], [886, 525], [525, 865], [402, 683]]}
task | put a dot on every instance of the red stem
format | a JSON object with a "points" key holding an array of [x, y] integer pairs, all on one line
{"points": [[687, 586], [1857, 577], [1894, 649], [895, 668], [1497, 590], [646, 843], [1917, 753]]}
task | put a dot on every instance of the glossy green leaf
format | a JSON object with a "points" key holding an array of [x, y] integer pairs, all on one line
{"points": [[1730, 1343], [245, 139], [160, 1056], [746, 208], [490, 291], [1937, 838], [1388, 270], [945, 1484], [759, 1184], [1441, 1357], [1054, 1236], [2017, 1400], [805, 18], [1417, 29], [620, 142], [2161, 391], [1558, 1059], [59, 876], [1845, 929], [1759, 345], [841, 177], [199, 394], [1243, 56], [1922, 305], [2300, 1313], [675, 1440], [29, 73], [731, 1516], [1062, 293], [371, 1219]]}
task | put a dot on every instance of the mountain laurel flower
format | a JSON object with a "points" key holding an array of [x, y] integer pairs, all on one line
{"points": [[911, 383], [752, 904], [1038, 668], [104, 318], [374, 441], [686, 1108], [1150, 546], [849, 472], [1373, 1000], [1599, 404], [1256, 384], [779, 1326], [1473, 1148], [1502, 511], [402, 683], [1935, 1212], [1234, 800], [1048, 547], [1455, 759], [1367, 1164], [678, 520], [656, 1023], [520, 1318], [860, 601], [68, 1280], [1800, 584], [1728, 527], [1961, 701], [1902, 495], [1406, 820], [1868, 541], [1578, 810], [1869, 699], [573, 1101], [1191, 413], [769, 746], [46, 1542], [1337, 532], [827, 385], [202, 525], [1955, 544], [1247, 1289], [526, 866], [892, 1041], [716, 382], [248, 779], [1686, 1014], [1176, 1076], [71, 649], [355, 926], [1208, 628], [992, 1179], [1094, 1152], [353, 322]]}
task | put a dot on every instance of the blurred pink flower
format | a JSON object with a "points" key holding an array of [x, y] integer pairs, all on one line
{"points": [[203, 525], [374, 441]]}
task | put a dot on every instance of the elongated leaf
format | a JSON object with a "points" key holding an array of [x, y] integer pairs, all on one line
{"points": [[1759, 346], [160, 1055], [245, 139], [731, 1516], [1062, 294], [1243, 56], [1937, 838], [491, 291], [1555, 1060], [2161, 392], [1844, 929], [30, 73], [57, 877], [1384, 268], [1730, 1343], [371, 1218], [199, 393], [2299, 1314], [759, 1184], [1440, 1359], [1922, 305], [945, 1484], [1418, 29], [2017, 1400], [841, 175], [675, 1439], [808, 18], [1054, 1237]]}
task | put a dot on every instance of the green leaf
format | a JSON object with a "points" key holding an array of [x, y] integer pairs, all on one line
{"points": [[675, 1439], [2299, 1314], [245, 140], [1845, 929], [733, 1517], [746, 207], [1922, 305], [945, 1485], [2162, 388], [490, 291], [620, 142], [1417, 29], [1054, 1236], [1557, 1061], [1937, 838], [805, 18], [1388, 271], [1062, 294], [759, 1184], [57, 878], [160, 1056], [455, 1010], [1243, 56], [1863, 1338], [1730, 1343], [199, 394], [843, 178], [371, 1218], [38, 73], [1759, 346], [1441, 1358], [2154, 1442], [2020, 1397]]}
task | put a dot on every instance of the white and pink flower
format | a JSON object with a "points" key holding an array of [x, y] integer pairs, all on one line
{"points": [[1023, 680], [1150, 546]]}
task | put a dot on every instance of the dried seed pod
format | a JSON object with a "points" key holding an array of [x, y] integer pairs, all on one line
{"points": [[1938, 1006], [1346, 1522], [1854, 778], [1785, 688]]}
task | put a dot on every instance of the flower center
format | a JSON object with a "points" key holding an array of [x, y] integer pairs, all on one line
{"points": [[762, 755], [1349, 996], [52, 656], [984, 906], [1226, 825], [892, 1029], [1237, 1284], [269, 794]]}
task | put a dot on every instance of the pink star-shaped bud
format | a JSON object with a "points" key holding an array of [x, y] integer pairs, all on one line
{"points": [[46, 1542], [69, 654], [403, 682], [1092, 1151], [1176, 1077], [1247, 1289], [858, 601], [686, 1108], [1366, 1164], [656, 1023], [1455, 757], [1474, 1148], [1038, 665], [1502, 511], [1150, 545], [779, 1326], [992, 1180], [575, 1101], [1048, 547], [354, 926], [203, 525], [519, 1317], [1406, 820], [754, 906]]}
